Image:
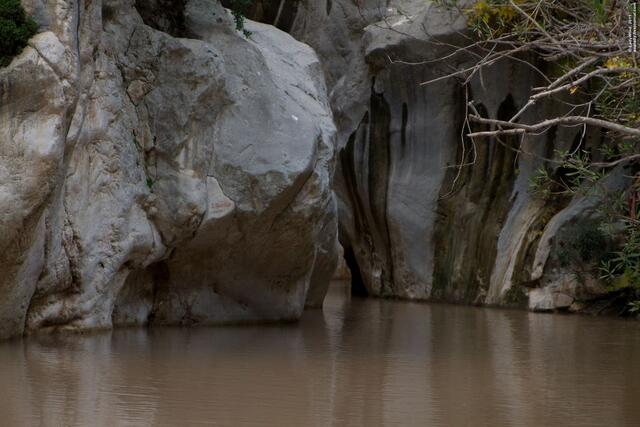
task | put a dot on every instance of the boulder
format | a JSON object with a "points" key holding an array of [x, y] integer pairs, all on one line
{"points": [[166, 170]]}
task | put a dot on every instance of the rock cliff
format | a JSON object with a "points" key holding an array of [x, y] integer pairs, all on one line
{"points": [[156, 166], [159, 167], [426, 213]]}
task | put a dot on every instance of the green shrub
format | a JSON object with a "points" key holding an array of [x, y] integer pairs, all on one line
{"points": [[16, 28], [239, 9], [584, 243], [517, 296]]}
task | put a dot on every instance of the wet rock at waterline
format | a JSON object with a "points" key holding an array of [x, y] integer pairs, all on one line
{"points": [[161, 169]]}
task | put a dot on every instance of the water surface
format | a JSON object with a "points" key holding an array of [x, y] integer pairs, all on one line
{"points": [[356, 363]]}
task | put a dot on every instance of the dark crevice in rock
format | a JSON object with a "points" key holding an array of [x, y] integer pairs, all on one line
{"points": [[108, 12], [286, 16], [365, 164], [471, 215], [347, 160], [134, 300], [280, 13], [379, 166], [160, 274], [563, 176], [329, 7], [348, 166], [352, 167], [358, 287], [164, 15]]}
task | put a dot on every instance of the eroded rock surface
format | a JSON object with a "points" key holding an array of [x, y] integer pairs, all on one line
{"points": [[156, 166], [413, 223]]}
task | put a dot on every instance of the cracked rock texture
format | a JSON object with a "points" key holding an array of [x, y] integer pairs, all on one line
{"points": [[156, 166]]}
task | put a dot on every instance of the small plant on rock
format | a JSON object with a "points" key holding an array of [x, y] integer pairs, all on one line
{"points": [[239, 9]]}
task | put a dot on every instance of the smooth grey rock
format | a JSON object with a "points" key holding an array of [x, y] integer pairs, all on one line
{"points": [[416, 225], [157, 177]]}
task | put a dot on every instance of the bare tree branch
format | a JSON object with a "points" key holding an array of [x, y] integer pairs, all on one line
{"points": [[518, 128]]}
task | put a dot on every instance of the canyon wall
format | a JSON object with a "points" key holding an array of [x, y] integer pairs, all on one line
{"points": [[158, 167], [425, 212]]}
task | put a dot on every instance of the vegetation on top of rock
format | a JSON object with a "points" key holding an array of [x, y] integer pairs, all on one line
{"points": [[239, 9], [16, 28], [582, 50], [279, 13]]}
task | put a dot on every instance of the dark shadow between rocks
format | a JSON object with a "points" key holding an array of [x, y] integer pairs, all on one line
{"points": [[357, 284]]}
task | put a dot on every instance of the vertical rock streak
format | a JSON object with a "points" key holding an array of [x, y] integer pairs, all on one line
{"points": [[414, 223]]}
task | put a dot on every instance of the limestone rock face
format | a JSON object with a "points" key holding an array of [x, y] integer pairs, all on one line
{"points": [[414, 224], [157, 166]]}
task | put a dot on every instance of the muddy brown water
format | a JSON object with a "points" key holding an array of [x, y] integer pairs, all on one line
{"points": [[358, 362]]}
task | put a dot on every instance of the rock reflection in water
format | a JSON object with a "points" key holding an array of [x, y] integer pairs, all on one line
{"points": [[357, 362]]}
